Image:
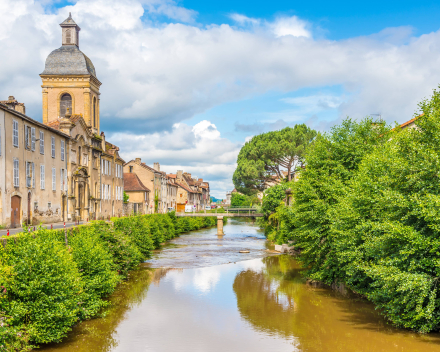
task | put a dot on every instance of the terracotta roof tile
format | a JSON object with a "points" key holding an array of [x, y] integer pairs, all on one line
{"points": [[133, 183]]}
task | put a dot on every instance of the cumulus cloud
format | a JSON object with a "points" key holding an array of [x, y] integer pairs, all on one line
{"points": [[199, 150], [156, 74]]}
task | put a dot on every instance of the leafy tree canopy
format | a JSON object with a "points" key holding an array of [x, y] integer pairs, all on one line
{"points": [[263, 159]]}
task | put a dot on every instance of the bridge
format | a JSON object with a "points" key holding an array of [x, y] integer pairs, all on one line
{"points": [[230, 213]]}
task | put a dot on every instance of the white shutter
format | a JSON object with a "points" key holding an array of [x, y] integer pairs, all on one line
{"points": [[16, 173], [102, 166], [53, 147], [15, 133], [61, 179], [41, 142], [65, 180], [42, 177], [62, 151], [102, 191], [54, 179], [28, 174], [0, 139], [33, 138]]}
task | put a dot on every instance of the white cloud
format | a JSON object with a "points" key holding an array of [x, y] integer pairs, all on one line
{"points": [[290, 26], [157, 74], [199, 150]]}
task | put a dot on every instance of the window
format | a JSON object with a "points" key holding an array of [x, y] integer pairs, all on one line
{"points": [[62, 150], [102, 191], [41, 142], [42, 177], [131, 169], [109, 193], [102, 166], [49, 205], [15, 133], [16, 173], [0, 140], [33, 138], [61, 179], [54, 179], [68, 36], [33, 175], [65, 180], [28, 174], [65, 105], [27, 137], [53, 147], [85, 160]]}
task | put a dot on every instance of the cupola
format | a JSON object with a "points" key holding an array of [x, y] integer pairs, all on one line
{"points": [[70, 31]]}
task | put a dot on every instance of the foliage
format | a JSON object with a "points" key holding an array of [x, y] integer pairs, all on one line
{"points": [[261, 161], [137, 229], [365, 213], [98, 271], [45, 294], [126, 197], [238, 200]]}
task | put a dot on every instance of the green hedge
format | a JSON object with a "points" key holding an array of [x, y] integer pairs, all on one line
{"points": [[47, 286]]}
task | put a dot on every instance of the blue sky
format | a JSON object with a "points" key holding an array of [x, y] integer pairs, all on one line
{"points": [[186, 83]]}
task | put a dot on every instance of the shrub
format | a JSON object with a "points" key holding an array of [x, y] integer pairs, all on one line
{"points": [[98, 271], [46, 292], [137, 229], [126, 255]]}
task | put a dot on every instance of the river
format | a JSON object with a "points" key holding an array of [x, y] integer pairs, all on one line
{"points": [[199, 294]]}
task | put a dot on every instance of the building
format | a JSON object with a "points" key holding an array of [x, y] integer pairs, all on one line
{"points": [[172, 188], [138, 194], [34, 159], [63, 168]]}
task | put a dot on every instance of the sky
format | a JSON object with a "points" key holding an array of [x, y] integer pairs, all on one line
{"points": [[187, 83]]}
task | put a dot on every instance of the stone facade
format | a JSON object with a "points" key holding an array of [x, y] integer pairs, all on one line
{"points": [[88, 179]]}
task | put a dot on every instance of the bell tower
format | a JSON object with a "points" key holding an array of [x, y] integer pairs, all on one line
{"points": [[70, 31], [70, 85]]}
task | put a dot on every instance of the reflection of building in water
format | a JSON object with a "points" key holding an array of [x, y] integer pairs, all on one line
{"points": [[160, 273]]}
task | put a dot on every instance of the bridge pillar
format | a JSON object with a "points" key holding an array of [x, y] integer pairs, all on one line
{"points": [[220, 226]]}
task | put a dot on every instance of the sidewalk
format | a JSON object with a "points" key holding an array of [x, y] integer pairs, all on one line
{"points": [[57, 225]]}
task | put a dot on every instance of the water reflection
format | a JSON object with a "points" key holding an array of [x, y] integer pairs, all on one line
{"points": [[276, 300], [262, 304]]}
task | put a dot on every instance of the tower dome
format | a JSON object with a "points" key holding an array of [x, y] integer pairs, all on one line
{"points": [[68, 60]]}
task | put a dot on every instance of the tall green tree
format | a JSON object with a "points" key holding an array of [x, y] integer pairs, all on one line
{"points": [[263, 159]]}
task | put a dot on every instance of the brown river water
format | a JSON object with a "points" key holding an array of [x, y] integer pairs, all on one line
{"points": [[199, 294]]}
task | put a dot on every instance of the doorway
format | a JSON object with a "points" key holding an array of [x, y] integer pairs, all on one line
{"points": [[15, 211]]}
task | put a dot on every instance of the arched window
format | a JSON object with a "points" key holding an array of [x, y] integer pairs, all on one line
{"points": [[94, 112], [66, 102], [68, 36]]}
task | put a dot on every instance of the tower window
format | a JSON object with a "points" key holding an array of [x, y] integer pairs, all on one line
{"points": [[65, 103], [68, 36]]}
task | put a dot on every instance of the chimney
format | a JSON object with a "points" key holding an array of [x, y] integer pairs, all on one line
{"points": [[156, 166], [13, 104], [179, 175], [200, 179], [137, 161]]}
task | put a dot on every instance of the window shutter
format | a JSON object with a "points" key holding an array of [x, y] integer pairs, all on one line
{"points": [[15, 133], [0, 139], [41, 142], [33, 175], [28, 174], [53, 147], [33, 138], [16, 173], [65, 180], [62, 151], [42, 177], [54, 180]]}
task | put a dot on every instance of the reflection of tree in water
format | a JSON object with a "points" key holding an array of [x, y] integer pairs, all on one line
{"points": [[261, 299], [277, 301], [98, 335]]}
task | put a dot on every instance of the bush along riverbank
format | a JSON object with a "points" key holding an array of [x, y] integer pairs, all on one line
{"points": [[366, 213], [52, 279]]}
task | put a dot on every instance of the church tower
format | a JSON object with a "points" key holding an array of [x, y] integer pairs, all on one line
{"points": [[70, 86]]}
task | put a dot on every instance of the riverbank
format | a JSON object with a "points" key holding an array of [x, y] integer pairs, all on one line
{"points": [[51, 279]]}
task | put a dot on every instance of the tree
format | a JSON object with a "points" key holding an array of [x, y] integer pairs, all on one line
{"points": [[239, 199], [263, 159]]}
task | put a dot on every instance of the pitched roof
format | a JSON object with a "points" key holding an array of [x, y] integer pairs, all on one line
{"points": [[171, 175], [185, 188], [132, 183]]}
